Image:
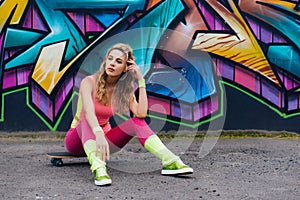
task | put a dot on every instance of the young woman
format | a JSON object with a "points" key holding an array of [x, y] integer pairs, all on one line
{"points": [[101, 95]]}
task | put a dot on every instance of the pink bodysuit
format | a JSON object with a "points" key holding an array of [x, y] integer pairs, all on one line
{"points": [[117, 137]]}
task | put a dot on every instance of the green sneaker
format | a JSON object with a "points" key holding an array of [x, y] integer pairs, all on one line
{"points": [[176, 168], [101, 177]]}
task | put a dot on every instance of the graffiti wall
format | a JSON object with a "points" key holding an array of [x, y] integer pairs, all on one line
{"points": [[204, 61]]}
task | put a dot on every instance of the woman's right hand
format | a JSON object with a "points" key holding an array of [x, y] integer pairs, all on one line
{"points": [[102, 146]]}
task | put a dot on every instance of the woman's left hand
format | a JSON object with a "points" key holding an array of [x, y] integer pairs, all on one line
{"points": [[136, 69]]}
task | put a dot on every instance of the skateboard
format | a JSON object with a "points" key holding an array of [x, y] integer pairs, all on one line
{"points": [[56, 157]]}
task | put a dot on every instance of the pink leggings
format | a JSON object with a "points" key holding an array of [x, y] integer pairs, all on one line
{"points": [[117, 137]]}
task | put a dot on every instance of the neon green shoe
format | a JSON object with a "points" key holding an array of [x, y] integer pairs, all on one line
{"points": [[176, 168], [101, 177]]}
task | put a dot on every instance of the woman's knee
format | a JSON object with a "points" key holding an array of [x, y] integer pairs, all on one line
{"points": [[73, 142]]}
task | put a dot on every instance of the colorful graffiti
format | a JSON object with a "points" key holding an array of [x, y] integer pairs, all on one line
{"points": [[251, 46]]}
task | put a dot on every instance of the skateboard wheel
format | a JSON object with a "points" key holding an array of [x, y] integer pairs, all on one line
{"points": [[56, 162]]}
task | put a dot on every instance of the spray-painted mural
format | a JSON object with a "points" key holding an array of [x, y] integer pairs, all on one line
{"points": [[189, 51]]}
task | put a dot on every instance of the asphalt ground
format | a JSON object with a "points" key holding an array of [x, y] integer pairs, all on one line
{"points": [[238, 167]]}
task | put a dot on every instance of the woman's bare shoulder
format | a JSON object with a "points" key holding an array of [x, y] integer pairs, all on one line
{"points": [[86, 83], [88, 79]]}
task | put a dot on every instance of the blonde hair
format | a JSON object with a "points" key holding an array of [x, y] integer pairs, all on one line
{"points": [[124, 88]]}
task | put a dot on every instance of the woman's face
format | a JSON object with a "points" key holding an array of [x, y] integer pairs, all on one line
{"points": [[115, 63]]}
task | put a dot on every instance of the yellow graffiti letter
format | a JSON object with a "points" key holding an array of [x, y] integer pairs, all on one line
{"points": [[9, 6], [46, 72]]}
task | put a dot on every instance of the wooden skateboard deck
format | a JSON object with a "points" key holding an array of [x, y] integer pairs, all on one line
{"points": [[56, 157]]}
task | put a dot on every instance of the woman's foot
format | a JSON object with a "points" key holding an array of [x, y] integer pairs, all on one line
{"points": [[101, 177], [176, 168]]}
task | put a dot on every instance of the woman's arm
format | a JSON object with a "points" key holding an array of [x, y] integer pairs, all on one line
{"points": [[86, 93], [139, 109]]}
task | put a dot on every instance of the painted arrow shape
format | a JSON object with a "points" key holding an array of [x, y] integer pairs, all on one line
{"points": [[241, 47]]}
